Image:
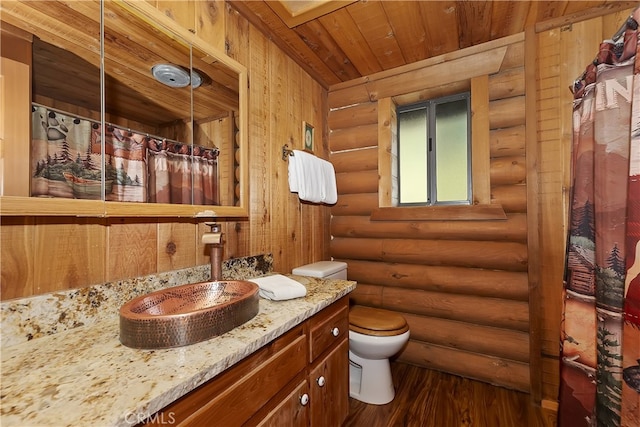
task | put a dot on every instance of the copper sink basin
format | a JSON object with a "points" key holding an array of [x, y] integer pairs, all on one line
{"points": [[187, 314]]}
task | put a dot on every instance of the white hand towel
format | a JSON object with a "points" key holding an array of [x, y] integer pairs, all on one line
{"points": [[293, 174], [330, 188], [312, 178], [278, 287]]}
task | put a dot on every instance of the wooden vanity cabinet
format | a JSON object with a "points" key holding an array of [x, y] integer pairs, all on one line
{"points": [[299, 379], [329, 366]]}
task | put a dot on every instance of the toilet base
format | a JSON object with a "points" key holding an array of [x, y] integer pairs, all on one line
{"points": [[370, 380]]}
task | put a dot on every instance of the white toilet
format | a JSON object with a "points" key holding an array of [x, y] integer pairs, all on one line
{"points": [[374, 336]]}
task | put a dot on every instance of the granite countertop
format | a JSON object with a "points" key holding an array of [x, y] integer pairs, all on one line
{"points": [[84, 376]]}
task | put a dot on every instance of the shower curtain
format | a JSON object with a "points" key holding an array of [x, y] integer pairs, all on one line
{"points": [[64, 160], [125, 163], [600, 372], [181, 173]]}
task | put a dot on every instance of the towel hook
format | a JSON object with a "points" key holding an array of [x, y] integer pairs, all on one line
{"points": [[286, 152]]}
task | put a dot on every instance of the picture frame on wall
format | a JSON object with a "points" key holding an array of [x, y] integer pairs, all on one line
{"points": [[307, 136]]}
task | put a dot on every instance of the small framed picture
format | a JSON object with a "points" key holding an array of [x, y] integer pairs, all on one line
{"points": [[307, 136]]}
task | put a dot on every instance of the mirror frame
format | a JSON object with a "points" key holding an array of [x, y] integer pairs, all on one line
{"points": [[37, 206]]}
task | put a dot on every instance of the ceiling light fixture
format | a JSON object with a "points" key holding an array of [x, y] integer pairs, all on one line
{"points": [[175, 76]]}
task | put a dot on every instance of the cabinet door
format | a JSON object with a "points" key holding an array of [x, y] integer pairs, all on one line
{"points": [[329, 388], [292, 411]]}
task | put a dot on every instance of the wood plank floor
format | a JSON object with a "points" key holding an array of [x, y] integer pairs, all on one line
{"points": [[426, 398]]}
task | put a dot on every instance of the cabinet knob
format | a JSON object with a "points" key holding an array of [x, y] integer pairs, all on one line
{"points": [[320, 381], [335, 332], [304, 399]]}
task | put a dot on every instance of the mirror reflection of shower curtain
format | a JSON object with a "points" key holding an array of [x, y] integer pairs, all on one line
{"points": [[125, 164], [180, 175], [205, 176], [600, 372], [65, 161]]}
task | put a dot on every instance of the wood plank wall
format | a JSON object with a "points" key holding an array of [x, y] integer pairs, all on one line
{"points": [[444, 303], [461, 285], [564, 50], [45, 254]]}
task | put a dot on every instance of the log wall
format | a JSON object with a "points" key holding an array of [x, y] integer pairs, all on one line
{"points": [[42, 254], [462, 285], [454, 297]]}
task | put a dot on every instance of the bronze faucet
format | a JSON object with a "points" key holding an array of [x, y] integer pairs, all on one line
{"points": [[214, 238]]}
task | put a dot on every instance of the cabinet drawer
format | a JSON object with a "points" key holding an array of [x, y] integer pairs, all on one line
{"points": [[328, 327], [234, 396]]}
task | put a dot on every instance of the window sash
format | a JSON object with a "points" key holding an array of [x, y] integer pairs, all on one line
{"points": [[422, 118]]}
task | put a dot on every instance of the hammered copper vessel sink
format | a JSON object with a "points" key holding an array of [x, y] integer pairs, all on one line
{"points": [[187, 314]]}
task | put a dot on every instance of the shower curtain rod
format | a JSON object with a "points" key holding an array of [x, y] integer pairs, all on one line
{"points": [[628, 23], [111, 124]]}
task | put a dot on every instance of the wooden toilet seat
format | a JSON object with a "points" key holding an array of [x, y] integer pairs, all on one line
{"points": [[376, 321]]}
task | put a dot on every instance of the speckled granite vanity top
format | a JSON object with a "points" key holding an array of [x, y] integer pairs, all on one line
{"points": [[84, 376]]}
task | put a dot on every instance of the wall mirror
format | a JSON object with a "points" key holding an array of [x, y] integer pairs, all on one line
{"points": [[130, 115]]}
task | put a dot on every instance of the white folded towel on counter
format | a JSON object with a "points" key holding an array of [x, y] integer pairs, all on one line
{"points": [[278, 287], [313, 178]]}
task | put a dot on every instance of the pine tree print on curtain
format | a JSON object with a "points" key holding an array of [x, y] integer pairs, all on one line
{"points": [[592, 390]]}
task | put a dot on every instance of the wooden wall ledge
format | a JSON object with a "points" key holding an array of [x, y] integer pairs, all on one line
{"points": [[440, 213]]}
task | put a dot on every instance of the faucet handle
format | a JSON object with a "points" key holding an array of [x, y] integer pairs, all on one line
{"points": [[215, 227]]}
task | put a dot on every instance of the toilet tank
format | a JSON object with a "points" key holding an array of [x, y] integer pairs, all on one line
{"points": [[323, 270]]}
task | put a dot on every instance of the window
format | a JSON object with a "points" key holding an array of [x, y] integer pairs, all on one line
{"points": [[434, 152]]}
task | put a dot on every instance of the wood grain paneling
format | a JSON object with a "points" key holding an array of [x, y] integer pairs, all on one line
{"points": [[44, 255], [16, 257]]}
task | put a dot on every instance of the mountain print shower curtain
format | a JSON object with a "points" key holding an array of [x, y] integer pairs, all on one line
{"points": [[600, 372], [65, 161]]}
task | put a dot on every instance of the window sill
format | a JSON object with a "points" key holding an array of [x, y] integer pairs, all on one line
{"points": [[440, 213]]}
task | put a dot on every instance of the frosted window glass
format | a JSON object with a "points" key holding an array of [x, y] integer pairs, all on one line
{"points": [[412, 157], [452, 174]]}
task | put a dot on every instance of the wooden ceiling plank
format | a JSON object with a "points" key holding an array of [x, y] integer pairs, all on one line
{"points": [[577, 6], [407, 24], [350, 39], [441, 22], [325, 47], [422, 29], [509, 17], [551, 9], [358, 91], [269, 24], [450, 56], [296, 12], [474, 23], [372, 22], [605, 9]]}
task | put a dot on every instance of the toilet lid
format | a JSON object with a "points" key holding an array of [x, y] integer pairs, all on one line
{"points": [[375, 321]]}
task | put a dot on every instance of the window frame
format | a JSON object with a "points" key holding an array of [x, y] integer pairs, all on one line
{"points": [[482, 207], [430, 106]]}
